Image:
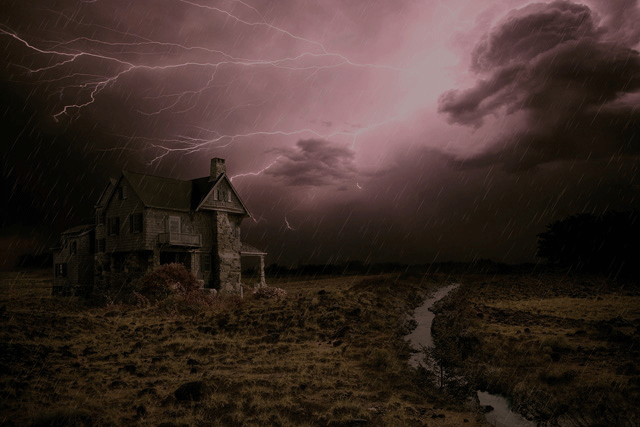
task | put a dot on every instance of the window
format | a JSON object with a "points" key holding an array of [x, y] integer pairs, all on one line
{"points": [[215, 194], [173, 224], [228, 196], [135, 223], [102, 245], [61, 270], [101, 217], [122, 192], [74, 248], [205, 261], [113, 226]]}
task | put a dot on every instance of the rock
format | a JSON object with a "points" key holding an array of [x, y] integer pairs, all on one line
{"points": [[191, 391], [131, 369], [141, 411]]}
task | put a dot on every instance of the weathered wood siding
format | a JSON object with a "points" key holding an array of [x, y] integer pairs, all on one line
{"points": [[223, 197], [79, 265], [130, 204]]}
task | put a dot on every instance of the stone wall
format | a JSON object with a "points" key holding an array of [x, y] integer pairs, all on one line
{"points": [[227, 254]]}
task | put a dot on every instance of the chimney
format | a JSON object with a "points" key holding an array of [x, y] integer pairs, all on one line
{"points": [[217, 168]]}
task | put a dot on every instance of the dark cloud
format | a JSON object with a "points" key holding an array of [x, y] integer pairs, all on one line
{"points": [[531, 31], [314, 162], [575, 86]]}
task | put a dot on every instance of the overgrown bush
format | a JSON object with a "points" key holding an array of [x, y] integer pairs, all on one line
{"points": [[169, 279], [269, 293], [175, 289]]}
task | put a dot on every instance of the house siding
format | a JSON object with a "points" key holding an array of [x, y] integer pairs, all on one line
{"points": [[125, 240], [207, 240], [78, 264]]}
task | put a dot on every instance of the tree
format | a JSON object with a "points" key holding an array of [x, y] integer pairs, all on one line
{"points": [[604, 244]]}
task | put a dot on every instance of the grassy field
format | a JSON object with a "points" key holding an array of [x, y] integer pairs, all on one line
{"points": [[566, 350], [330, 353]]}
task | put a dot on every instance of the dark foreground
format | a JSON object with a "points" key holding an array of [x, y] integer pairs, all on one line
{"points": [[330, 353], [565, 349]]}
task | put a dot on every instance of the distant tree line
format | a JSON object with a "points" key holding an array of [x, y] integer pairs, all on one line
{"points": [[608, 243]]}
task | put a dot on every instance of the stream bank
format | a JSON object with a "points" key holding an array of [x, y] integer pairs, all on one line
{"points": [[496, 408]]}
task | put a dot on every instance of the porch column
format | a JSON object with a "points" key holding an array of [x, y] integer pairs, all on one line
{"points": [[262, 281], [156, 257]]}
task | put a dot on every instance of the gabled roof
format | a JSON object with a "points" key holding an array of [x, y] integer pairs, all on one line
{"points": [[158, 192], [213, 184], [78, 230], [106, 193], [173, 194]]}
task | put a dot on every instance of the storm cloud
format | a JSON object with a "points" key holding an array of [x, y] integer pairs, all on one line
{"points": [[576, 88], [406, 131], [314, 162]]}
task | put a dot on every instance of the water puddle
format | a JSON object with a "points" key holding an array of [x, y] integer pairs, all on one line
{"points": [[501, 415]]}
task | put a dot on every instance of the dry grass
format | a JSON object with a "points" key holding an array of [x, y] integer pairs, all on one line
{"points": [[330, 353], [563, 348]]}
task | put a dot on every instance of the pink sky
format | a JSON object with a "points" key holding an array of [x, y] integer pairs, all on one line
{"points": [[402, 130]]}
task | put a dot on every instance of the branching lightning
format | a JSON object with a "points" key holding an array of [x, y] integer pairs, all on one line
{"points": [[289, 227], [63, 67], [258, 172]]}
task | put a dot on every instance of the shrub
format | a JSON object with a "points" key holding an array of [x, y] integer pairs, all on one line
{"points": [[169, 279], [269, 293], [174, 289]]}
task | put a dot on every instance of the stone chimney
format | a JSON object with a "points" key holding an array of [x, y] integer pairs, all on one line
{"points": [[217, 168]]}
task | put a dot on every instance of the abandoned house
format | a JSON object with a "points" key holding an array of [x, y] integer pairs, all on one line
{"points": [[143, 221]]}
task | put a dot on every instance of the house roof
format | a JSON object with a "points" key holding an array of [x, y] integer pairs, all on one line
{"points": [[159, 192], [174, 194], [247, 249], [80, 229]]}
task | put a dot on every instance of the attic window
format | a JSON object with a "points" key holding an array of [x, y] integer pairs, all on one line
{"points": [[228, 196], [74, 247], [122, 192], [215, 194]]}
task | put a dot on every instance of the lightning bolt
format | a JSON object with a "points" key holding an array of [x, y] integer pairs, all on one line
{"points": [[261, 171], [289, 227], [85, 88]]}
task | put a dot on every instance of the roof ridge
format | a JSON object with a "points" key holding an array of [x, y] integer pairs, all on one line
{"points": [[161, 177]]}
